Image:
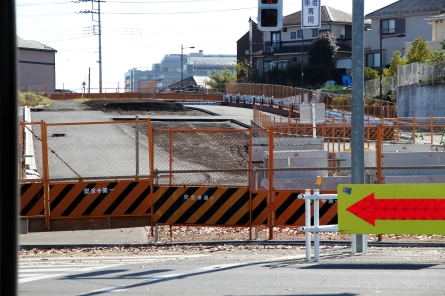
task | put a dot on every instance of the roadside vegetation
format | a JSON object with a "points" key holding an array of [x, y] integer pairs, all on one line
{"points": [[33, 100]]}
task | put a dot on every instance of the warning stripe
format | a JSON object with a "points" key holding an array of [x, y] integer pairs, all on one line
{"points": [[290, 211], [100, 199], [259, 208], [31, 199], [201, 206]]}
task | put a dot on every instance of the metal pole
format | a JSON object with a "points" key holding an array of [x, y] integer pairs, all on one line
{"points": [[357, 122], [182, 64], [302, 45], [9, 159], [136, 138], [307, 218], [381, 61], [89, 80], [100, 49], [316, 225]]}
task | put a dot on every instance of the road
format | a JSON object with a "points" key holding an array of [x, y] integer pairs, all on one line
{"points": [[384, 271]]}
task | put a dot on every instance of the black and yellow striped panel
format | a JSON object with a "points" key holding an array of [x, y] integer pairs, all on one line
{"points": [[31, 199], [100, 199], [290, 211], [259, 211], [201, 206]]}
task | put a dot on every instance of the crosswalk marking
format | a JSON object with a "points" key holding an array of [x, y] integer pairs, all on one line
{"points": [[34, 269], [35, 273]]}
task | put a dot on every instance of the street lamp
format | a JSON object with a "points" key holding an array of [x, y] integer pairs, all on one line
{"points": [[381, 60], [182, 61]]}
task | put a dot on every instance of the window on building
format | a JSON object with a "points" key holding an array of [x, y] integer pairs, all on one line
{"points": [[276, 40], [314, 32], [267, 66], [322, 31], [392, 26], [281, 66], [300, 34], [293, 35], [373, 59]]}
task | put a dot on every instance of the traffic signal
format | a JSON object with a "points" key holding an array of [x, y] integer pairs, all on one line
{"points": [[270, 15]]}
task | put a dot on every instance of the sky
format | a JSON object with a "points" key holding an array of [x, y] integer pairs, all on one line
{"points": [[139, 33]]}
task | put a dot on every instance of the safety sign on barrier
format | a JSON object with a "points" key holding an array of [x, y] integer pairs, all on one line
{"points": [[201, 206], [392, 208], [100, 199]]}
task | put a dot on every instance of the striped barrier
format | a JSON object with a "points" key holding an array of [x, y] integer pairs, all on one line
{"points": [[201, 206], [106, 199], [259, 211], [31, 199], [290, 211]]}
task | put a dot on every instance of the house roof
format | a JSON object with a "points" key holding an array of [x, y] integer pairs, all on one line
{"points": [[409, 7], [33, 45], [328, 15]]}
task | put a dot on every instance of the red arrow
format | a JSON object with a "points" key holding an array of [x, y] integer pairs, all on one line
{"points": [[370, 209]]}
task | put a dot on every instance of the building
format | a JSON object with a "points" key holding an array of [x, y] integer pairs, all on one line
{"points": [[292, 42], [172, 68], [251, 42], [402, 17], [36, 66]]}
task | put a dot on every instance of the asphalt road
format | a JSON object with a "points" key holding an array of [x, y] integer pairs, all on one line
{"points": [[384, 271]]}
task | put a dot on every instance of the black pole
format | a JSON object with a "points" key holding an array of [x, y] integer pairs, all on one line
{"points": [[8, 151], [381, 61], [302, 61]]}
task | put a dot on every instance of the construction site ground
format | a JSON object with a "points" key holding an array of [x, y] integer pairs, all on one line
{"points": [[180, 234]]}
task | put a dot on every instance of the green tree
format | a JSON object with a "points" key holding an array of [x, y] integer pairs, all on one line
{"points": [[242, 70], [322, 52], [419, 52], [443, 44], [370, 73], [395, 63], [219, 78], [437, 56]]}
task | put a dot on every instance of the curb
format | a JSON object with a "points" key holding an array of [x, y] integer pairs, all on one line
{"points": [[249, 242]]}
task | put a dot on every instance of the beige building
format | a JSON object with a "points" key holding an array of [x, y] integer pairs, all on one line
{"points": [[36, 66]]}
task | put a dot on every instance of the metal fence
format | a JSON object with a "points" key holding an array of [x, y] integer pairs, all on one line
{"points": [[395, 152], [422, 74], [372, 87]]}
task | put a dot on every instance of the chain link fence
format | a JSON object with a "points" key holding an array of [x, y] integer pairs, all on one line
{"points": [[372, 87], [201, 157], [92, 150], [282, 157], [422, 74]]}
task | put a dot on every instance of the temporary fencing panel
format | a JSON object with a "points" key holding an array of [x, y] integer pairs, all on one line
{"points": [[201, 206], [31, 199], [290, 211], [122, 198], [259, 208]]}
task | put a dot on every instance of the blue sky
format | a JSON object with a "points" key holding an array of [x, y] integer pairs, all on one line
{"points": [[136, 34]]}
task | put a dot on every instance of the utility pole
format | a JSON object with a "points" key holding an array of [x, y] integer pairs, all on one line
{"points": [[96, 11]]}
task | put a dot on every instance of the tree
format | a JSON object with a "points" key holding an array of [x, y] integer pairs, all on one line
{"points": [[419, 52], [443, 44], [242, 69], [395, 63], [322, 52], [370, 73], [219, 78], [437, 56]]}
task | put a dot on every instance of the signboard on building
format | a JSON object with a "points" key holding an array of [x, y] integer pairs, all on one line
{"points": [[311, 14]]}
